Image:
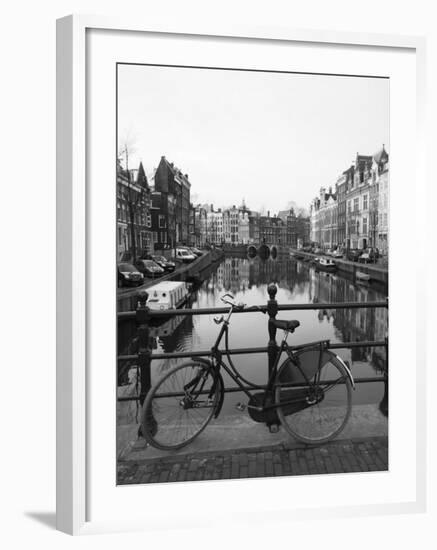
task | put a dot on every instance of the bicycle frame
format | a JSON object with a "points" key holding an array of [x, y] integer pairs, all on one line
{"points": [[232, 371]]}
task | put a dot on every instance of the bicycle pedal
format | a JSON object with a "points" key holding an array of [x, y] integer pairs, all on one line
{"points": [[273, 428], [240, 407]]}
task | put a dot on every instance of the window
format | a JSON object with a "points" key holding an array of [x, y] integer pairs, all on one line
{"points": [[356, 204], [364, 225], [161, 221], [365, 202], [349, 207]]}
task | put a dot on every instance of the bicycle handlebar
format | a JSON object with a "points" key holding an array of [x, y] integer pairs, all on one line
{"points": [[230, 300]]}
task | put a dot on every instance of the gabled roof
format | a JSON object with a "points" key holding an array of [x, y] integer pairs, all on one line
{"points": [[141, 177], [175, 170]]}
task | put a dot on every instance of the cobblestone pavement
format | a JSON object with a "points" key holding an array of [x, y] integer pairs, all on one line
{"points": [[352, 455]]}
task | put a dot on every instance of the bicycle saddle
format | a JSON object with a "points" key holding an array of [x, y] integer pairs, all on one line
{"points": [[285, 325]]}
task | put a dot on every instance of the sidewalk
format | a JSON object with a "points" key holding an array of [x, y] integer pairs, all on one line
{"points": [[347, 455]]}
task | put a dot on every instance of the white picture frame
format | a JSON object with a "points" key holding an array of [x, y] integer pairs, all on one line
{"points": [[74, 360]]}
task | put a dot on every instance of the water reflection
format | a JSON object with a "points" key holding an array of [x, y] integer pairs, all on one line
{"points": [[298, 282]]}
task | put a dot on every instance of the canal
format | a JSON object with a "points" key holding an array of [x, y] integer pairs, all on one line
{"points": [[247, 279]]}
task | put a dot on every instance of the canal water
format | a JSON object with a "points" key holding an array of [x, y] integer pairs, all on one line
{"points": [[247, 280]]}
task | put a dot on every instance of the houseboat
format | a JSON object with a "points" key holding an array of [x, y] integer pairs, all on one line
{"points": [[167, 295], [325, 264]]}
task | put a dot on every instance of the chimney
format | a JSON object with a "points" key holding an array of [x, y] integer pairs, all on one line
{"points": [[268, 213]]}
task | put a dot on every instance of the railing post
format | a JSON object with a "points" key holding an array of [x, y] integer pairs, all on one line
{"points": [[144, 349], [272, 346], [272, 310], [383, 406]]}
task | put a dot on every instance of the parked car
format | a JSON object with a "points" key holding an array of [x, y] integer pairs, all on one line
{"points": [[196, 251], [353, 254], [128, 275], [318, 250], [167, 265], [149, 268], [338, 253], [183, 255]]}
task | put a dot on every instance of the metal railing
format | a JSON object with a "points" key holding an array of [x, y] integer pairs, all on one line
{"points": [[143, 315]]}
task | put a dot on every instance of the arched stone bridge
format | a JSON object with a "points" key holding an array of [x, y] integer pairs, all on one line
{"points": [[266, 250]]}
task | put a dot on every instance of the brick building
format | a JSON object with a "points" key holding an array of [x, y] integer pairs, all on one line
{"points": [[171, 206], [134, 224]]}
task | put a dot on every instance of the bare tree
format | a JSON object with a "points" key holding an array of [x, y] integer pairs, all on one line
{"points": [[135, 197]]}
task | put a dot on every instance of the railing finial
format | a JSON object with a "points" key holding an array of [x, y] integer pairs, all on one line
{"points": [[143, 296], [272, 289]]}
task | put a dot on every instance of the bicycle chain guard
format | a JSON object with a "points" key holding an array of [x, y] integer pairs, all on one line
{"points": [[269, 416]]}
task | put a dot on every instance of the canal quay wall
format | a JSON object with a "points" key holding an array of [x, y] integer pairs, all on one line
{"points": [[376, 273]]}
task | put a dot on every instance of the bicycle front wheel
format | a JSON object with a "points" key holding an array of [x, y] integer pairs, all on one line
{"points": [[317, 412], [180, 405]]}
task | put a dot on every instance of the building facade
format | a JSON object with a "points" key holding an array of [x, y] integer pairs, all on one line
{"points": [[358, 203], [324, 215], [381, 167], [171, 219], [341, 208], [356, 215], [134, 222]]}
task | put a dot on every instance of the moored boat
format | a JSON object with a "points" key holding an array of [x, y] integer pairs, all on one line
{"points": [[325, 264], [167, 295]]}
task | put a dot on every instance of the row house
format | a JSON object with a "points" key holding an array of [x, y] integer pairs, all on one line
{"points": [[341, 185], [230, 225], [254, 218], [381, 169], [171, 206], [272, 230], [324, 214], [243, 227], [358, 183], [297, 228], [134, 223], [356, 215], [214, 227], [243, 224]]}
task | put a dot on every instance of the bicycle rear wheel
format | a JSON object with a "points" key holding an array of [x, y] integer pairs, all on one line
{"points": [[315, 413], [180, 405]]}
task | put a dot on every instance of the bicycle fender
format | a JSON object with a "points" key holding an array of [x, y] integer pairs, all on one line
{"points": [[347, 369], [222, 395], [219, 377]]}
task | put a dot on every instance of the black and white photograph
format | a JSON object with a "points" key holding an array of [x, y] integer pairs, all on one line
{"points": [[251, 257]]}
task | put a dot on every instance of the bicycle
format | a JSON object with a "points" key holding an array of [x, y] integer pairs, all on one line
{"points": [[309, 394]]}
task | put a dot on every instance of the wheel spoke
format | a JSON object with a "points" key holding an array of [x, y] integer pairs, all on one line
{"points": [[325, 418], [173, 422]]}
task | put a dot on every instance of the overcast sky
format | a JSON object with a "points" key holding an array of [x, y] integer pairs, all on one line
{"points": [[266, 137]]}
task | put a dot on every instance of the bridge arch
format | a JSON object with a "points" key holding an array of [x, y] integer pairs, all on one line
{"points": [[252, 251], [274, 251], [264, 251]]}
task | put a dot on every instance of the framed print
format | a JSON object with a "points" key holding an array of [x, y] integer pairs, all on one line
{"points": [[233, 325]]}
